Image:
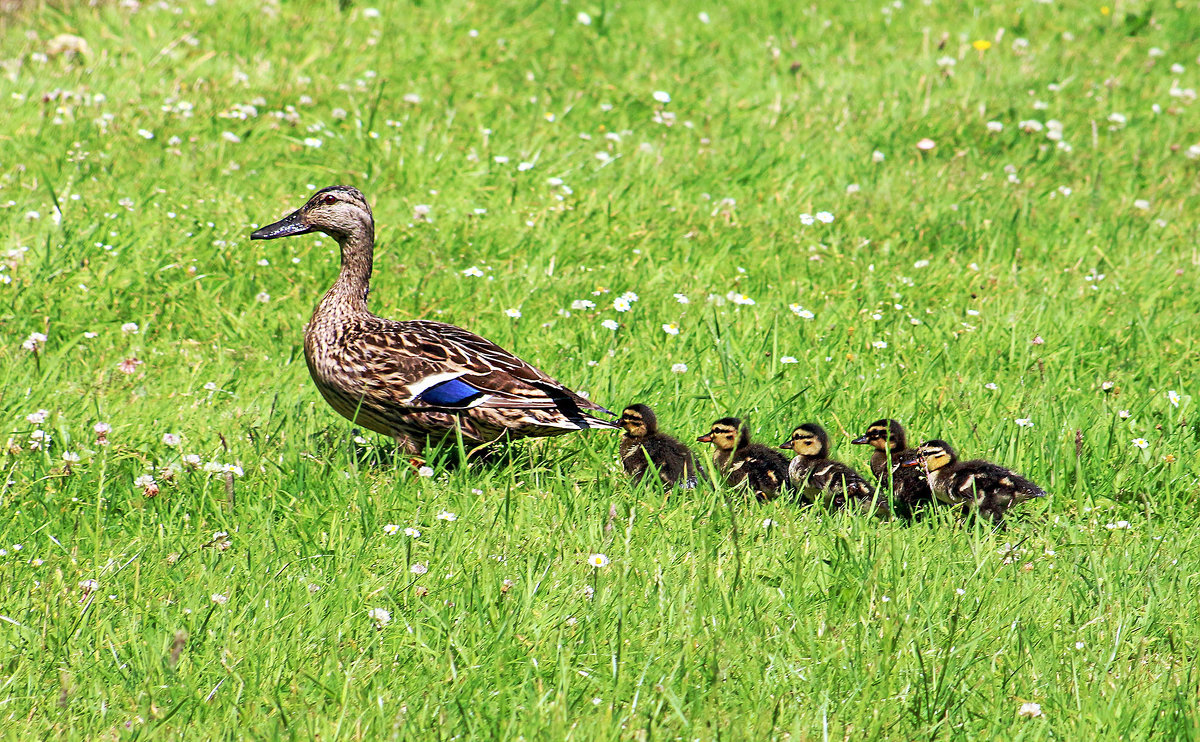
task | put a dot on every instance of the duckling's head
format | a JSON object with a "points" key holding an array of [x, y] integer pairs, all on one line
{"points": [[638, 421], [809, 440], [727, 434], [884, 435], [934, 454], [338, 211]]}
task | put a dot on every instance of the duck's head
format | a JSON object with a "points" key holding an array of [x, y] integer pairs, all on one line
{"points": [[338, 211], [933, 454], [809, 440], [727, 434], [638, 421], [884, 435]]}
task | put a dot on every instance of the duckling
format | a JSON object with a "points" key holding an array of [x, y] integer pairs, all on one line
{"points": [[988, 489], [644, 446], [763, 470], [819, 477], [909, 488], [418, 381]]}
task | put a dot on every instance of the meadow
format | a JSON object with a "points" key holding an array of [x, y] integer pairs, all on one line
{"points": [[978, 218]]}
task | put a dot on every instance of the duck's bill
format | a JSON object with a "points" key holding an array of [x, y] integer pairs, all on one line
{"points": [[705, 438], [860, 439], [288, 226], [786, 445], [911, 462]]}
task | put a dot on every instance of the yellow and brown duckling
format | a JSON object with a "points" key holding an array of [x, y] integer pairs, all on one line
{"points": [[819, 478], [979, 486], [645, 449], [761, 468], [908, 485], [418, 381]]}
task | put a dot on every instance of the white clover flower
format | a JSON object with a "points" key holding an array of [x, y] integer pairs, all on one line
{"points": [[370, 12], [679, 368], [995, 126], [584, 18], [143, 481], [926, 144], [230, 137], [991, 385], [391, 529], [381, 617], [421, 212], [1029, 710], [129, 328], [37, 418], [1124, 414], [418, 568], [219, 599], [1080, 645], [262, 297], [171, 439], [70, 457], [425, 471], [662, 96], [598, 560], [878, 156]]}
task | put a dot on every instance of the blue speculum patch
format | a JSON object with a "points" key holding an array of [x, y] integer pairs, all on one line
{"points": [[452, 393]]}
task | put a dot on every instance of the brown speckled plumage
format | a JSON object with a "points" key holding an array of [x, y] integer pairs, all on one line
{"points": [[417, 381]]}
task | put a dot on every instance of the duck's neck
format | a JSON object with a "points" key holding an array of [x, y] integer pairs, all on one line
{"points": [[353, 283]]}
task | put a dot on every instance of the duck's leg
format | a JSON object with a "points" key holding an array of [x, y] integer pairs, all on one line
{"points": [[411, 446]]}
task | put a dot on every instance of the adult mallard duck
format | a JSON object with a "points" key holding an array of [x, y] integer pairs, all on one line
{"points": [[643, 446], [819, 478], [979, 486], [909, 488], [417, 381], [763, 470]]}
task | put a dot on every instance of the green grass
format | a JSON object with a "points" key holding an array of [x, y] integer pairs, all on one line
{"points": [[707, 624]]}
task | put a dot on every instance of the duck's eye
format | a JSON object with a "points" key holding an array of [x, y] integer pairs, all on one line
{"points": [[328, 199]]}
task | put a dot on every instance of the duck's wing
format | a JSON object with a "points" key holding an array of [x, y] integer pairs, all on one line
{"points": [[436, 366], [986, 477]]}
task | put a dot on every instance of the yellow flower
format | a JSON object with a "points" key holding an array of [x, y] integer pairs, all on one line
{"points": [[1105, 10], [981, 44]]}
